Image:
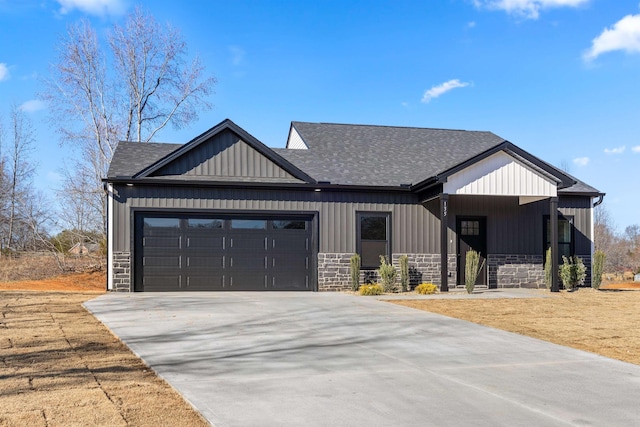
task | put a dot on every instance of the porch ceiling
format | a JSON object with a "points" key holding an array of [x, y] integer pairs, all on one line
{"points": [[501, 175]]}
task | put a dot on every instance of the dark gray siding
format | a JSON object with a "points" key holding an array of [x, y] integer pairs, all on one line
{"points": [[511, 228], [224, 155], [518, 229], [580, 209], [413, 225]]}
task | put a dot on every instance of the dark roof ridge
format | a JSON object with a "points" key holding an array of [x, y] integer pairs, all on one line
{"points": [[389, 126]]}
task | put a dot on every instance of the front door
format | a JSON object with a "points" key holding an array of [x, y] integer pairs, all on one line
{"points": [[472, 234]]}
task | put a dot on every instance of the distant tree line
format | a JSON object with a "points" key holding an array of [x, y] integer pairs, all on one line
{"points": [[622, 249]]}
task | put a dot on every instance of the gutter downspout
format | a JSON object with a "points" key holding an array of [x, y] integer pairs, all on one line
{"points": [[599, 201]]}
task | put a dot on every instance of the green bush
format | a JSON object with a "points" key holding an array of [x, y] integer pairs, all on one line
{"points": [[547, 269], [598, 268], [354, 271], [471, 270], [387, 274], [373, 289], [572, 272], [426, 288], [404, 272]]}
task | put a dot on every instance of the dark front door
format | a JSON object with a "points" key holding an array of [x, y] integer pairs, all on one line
{"points": [[472, 234]]}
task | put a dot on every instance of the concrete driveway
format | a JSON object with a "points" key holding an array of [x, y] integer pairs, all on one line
{"points": [[324, 359]]}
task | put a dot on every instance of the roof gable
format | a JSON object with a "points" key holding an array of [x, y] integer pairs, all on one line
{"points": [[501, 174], [224, 151]]}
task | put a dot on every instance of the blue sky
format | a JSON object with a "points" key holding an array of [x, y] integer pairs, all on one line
{"points": [[559, 78]]}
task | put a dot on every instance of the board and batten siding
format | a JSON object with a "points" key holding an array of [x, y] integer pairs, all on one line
{"points": [[511, 228], [224, 155], [517, 229], [414, 229], [580, 209], [500, 175]]}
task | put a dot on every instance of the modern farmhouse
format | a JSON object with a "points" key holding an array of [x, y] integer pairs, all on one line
{"points": [[225, 212]]}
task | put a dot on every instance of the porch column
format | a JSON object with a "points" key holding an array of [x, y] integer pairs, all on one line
{"points": [[444, 255], [553, 223]]}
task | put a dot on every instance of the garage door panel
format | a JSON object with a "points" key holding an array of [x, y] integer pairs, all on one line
{"points": [[173, 242], [242, 253], [161, 261], [248, 242], [204, 283], [161, 282], [290, 244], [215, 243], [248, 281], [209, 263]]}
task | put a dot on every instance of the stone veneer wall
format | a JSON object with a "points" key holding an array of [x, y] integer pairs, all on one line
{"points": [[333, 270], [524, 271], [516, 271], [121, 272]]}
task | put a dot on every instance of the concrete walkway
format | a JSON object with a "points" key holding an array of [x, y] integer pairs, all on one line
{"points": [[326, 359]]}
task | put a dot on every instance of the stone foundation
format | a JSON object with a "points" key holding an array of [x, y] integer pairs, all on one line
{"points": [[516, 271], [121, 272], [333, 271]]}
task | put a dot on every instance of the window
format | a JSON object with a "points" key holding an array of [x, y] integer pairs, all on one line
{"points": [[249, 224], [204, 223], [373, 237], [565, 236], [470, 228], [289, 225], [162, 222]]}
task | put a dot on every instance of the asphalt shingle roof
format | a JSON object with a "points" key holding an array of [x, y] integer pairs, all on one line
{"points": [[131, 157], [383, 155], [359, 155]]}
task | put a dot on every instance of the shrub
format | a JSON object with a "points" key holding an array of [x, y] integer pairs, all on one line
{"points": [[426, 288], [598, 267], [354, 271], [387, 274], [472, 269], [547, 269], [572, 272], [373, 289], [404, 272]]}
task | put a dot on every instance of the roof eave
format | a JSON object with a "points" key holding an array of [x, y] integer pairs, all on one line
{"points": [[133, 181]]}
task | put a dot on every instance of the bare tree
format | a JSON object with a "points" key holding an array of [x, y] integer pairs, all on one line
{"points": [[141, 86], [607, 240], [161, 86], [20, 172]]}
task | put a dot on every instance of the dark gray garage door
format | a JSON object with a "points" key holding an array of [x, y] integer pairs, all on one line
{"points": [[206, 253]]}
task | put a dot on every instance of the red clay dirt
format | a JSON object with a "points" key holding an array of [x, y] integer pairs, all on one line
{"points": [[77, 282]]}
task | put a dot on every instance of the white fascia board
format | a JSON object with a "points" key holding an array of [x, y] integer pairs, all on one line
{"points": [[501, 175], [110, 204]]}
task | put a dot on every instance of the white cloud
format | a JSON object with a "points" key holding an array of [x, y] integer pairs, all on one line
{"points": [[471, 24], [624, 35], [32, 106], [581, 161], [4, 71], [441, 89], [616, 150], [527, 8], [636, 149], [93, 7], [237, 55]]}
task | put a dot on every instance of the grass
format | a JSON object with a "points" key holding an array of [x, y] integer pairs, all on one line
{"points": [[602, 322], [60, 366]]}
